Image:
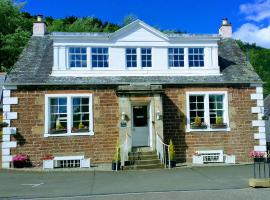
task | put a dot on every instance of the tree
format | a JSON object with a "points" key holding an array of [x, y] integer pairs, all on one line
{"points": [[15, 29]]}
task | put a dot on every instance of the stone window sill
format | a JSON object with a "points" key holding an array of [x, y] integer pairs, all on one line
{"points": [[69, 134], [189, 130]]}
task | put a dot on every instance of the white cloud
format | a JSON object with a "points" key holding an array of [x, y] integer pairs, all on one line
{"points": [[253, 34], [258, 11]]}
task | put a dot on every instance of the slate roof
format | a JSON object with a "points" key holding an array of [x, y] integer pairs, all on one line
{"points": [[35, 65], [266, 102]]}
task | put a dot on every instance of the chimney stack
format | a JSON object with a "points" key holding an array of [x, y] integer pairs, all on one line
{"points": [[39, 27], [225, 30]]}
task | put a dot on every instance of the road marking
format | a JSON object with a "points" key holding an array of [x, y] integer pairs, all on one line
{"points": [[33, 185]]}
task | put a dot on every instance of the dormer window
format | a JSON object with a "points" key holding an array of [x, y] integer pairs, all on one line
{"points": [[146, 54], [100, 57], [77, 57], [176, 57], [131, 57], [196, 57]]}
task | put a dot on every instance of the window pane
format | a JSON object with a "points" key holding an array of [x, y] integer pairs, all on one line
{"points": [[58, 115], [196, 57], [77, 57], [80, 119], [216, 108], [100, 57], [176, 57]]}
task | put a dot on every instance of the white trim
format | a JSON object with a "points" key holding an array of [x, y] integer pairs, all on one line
{"points": [[9, 130], [68, 157], [69, 114], [256, 96], [258, 136], [205, 152], [11, 144], [206, 108], [10, 100], [259, 123]]}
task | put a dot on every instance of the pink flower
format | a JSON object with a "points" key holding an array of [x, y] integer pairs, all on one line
{"points": [[20, 157], [257, 154]]}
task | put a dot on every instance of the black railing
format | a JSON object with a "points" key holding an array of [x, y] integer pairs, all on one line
{"points": [[261, 167]]}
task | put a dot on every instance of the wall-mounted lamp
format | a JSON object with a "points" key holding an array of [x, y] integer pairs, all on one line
{"points": [[158, 115], [123, 116]]}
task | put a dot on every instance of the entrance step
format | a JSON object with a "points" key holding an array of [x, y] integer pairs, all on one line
{"points": [[141, 149], [143, 158], [152, 166]]}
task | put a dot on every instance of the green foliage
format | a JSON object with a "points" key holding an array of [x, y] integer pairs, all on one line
{"points": [[15, 31], [117, 155], [260, 59], [171, 150], [219, 120], [198, 121]]}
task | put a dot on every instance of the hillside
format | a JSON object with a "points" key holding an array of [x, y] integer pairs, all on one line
{"points": [[260, 59]]}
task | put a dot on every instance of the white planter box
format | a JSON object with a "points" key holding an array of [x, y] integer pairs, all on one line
{"points": [[85, 163], [47, 164], [230, 159], [197, 159]]}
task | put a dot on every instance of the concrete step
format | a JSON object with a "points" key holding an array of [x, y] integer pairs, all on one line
{"points": [[141, 149], [150, 166], [143, 157], [147, 162], [142, 153]]}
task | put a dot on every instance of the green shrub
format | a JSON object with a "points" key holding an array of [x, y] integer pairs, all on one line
{"points": [[171, 150]]}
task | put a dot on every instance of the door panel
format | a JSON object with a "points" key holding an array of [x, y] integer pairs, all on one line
{"points": [[140, 135]]}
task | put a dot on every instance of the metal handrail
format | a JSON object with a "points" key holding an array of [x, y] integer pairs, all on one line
{"points": [[164, 152]]}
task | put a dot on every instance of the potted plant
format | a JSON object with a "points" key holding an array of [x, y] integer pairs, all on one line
{"points": [[81, 128], [58, 128], [198, 124], [219, 123], [19, 160], [172, 163], [48, 162], [258, 156], [116, 163]]}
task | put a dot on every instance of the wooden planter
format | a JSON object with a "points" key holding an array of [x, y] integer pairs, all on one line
{"points": [[218, 126], [193, 126]]}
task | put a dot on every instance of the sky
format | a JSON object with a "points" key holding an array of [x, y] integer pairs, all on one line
{"points": [[250, 18]]}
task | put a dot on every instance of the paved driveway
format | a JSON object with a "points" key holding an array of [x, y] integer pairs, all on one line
{"points": [[15, 184]]}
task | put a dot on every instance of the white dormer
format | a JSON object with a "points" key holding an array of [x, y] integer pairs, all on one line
{"points": [[134, 50]]}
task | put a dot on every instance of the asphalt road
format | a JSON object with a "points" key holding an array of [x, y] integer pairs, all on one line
{"points": [[182, 183]]}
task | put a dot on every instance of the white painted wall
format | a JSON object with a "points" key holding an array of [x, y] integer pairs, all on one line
{"points": [[136, 37]]}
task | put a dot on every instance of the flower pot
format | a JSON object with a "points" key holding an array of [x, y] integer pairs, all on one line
{"points": [[172, 163], [114, 165], [230, 159], [47, 164], [18, 164], [259, 159], [197, 159]]}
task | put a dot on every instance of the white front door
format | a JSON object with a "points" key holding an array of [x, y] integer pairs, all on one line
{"points": [[140, 123]]}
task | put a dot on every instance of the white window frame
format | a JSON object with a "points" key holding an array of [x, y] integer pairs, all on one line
{"points": [[206, 111], [69, 114], [68, 59]]}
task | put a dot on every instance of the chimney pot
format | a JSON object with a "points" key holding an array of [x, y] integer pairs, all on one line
{"points": [[40, 18], [39, 27], [225, 30]]}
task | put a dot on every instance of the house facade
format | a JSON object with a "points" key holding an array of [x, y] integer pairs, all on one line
{"points": [[75, 95]]}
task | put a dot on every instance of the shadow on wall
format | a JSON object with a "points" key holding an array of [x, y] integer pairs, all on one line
{"points": [[174, 128]]}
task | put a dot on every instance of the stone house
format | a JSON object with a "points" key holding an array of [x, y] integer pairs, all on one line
{"points": [[74, 95]]}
